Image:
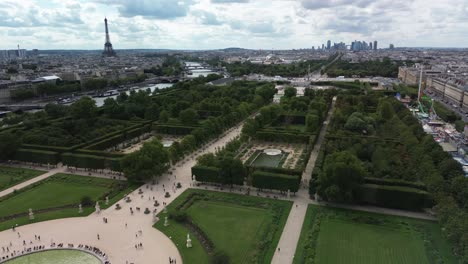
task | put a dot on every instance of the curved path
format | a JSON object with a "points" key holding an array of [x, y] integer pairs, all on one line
{"points": [[119, 236]]}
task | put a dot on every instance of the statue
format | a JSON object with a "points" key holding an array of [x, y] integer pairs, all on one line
{"points": [[80, 209], [31, 214], [107, 200], [289, 194], [189, 241], [166, 222], [98, 208]]}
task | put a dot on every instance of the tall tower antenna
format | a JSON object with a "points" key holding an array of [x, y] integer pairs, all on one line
{"points": [[108, 50]]}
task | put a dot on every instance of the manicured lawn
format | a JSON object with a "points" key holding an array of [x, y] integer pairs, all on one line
{"points": [[214, 217], [10, 176], [343, 236], [59, 190], [237, 225]]}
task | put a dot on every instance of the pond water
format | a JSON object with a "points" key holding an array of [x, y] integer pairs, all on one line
{"points": [[265, 160], [57, 257]]}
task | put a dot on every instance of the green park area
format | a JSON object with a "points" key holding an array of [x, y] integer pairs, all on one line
{"points": [[59, 197], [12, 176], [224, 227], [343, 236]]}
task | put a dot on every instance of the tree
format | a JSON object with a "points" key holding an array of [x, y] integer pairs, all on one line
{"points": [[290, 92], [232, 170], [163, 116], [84, 108], [341, 176], [188, 116], [312, 122], [56, 110], [9, 144], [386, 111], [150, 161]]}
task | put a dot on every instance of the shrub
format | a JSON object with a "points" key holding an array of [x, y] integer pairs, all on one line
{"points": [[220, 257], [86, 201], [180, 217]]}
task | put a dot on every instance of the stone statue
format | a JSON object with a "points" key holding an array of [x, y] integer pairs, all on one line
{"points": [[98, 208], [31, 214], [166, 222], [189, 241], [107, 200], [80, 209]]}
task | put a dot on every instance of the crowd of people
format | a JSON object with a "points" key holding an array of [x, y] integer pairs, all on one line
{"points": [[8, 255]]}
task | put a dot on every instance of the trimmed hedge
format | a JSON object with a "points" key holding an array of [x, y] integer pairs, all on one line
{"points": [[395, 182], [290, 172], [277, 136], [37, 156], [206, 174], [90, 161], [275, 181], [99, 153], [173, 129], [46, 148], [399, 197]]}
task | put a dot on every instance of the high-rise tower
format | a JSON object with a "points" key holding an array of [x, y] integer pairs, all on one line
{"points": [[108, 50], [375, 44]]}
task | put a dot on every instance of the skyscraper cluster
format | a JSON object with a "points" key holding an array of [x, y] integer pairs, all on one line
{"points": [[362, 45], [355, 45]]}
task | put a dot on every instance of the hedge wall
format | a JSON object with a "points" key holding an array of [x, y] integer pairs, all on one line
{"points": [[277, 136], [46, 148], [90, 161], [290, 172], [37, 156], [399, 197], [282, 182], [173, 129], [395, 182], [206, 174]]}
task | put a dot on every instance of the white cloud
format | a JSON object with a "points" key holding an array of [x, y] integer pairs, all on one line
{"points": [[205, 24]]}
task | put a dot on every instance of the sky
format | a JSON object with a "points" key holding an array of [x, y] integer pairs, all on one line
{"points": [[214, 24]]}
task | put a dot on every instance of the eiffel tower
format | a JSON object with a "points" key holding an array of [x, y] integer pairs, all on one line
{"points": [[108, 50]]}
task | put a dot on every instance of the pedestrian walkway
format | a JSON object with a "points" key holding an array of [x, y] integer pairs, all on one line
{"points": [[122, 230], [292, 230], [41, 177]]}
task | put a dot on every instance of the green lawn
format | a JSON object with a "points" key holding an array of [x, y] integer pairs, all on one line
{"points": [[246, 228], [249, 223], [12, 176], [343, 236], [59, 190]]}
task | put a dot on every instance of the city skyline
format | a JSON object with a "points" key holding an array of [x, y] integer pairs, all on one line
{"points": [[213, 24]]}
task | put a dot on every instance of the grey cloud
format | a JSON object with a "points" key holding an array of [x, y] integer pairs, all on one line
{"points": [[161, 9], [229, 1], [207, 18], [318, 4], [20, 32]]}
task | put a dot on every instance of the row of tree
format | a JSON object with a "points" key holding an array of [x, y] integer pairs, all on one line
{"points": [[372, 135]]}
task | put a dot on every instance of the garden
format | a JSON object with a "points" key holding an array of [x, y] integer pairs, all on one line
{"points": [[335, 236], [10, 176], [59, 196], [224, 227], [376, 152]]}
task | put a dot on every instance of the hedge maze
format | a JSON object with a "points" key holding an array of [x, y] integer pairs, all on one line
{"points": [[84, 136], [290, 126]]}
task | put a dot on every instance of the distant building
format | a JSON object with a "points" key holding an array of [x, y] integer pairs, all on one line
{"points": [[328, 44], [391, 46], [370, 45], [375, 44], [323, 46]]}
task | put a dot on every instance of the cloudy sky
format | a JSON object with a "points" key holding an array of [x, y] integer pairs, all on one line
{"points": [[209, 24]]}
